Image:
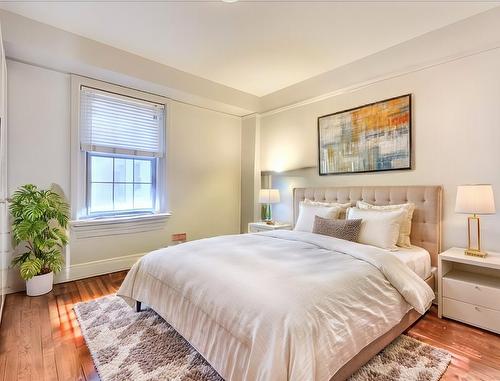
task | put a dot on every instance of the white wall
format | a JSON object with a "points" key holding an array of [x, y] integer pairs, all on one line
{"points": [[39, 119], [456, 137], [250, 170], [203, 167]]}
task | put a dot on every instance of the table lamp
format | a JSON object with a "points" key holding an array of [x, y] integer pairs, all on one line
{"points": [[268, 197], [475, 199]]}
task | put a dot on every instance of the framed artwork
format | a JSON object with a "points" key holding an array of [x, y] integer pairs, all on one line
{"points": [[370, 138]]}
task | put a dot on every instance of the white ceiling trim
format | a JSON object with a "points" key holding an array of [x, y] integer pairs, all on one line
{"points": [[362, 85], [26, 41], [255, 47], [474, 35], [39, 44]]}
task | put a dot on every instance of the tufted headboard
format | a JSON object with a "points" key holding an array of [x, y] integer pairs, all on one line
{"points": [[426, 224]]}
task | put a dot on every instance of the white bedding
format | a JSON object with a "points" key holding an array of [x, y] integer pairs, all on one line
{"points": [[416, 258], [279, 305]]}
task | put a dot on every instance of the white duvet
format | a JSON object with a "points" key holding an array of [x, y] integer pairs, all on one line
{"points": [[280, 305]]}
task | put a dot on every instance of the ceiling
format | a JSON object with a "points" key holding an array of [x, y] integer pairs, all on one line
{"points": [[257, 47]]}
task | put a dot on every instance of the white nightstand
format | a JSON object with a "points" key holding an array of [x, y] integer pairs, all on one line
{"points": [[469, 288], [254, 227]]}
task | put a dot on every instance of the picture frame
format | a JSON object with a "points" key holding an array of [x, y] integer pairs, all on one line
{"points": [[374, 137]]}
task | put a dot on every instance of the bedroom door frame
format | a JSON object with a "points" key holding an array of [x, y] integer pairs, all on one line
{"points": [[4, 215]]}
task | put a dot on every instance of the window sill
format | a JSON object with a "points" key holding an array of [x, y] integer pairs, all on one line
{"points": [[88, 228]]}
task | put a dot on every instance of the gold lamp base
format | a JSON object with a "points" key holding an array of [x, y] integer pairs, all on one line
{"points": [[475, 253]]}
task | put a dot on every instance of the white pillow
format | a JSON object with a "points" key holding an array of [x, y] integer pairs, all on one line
{"points": [[405, 229], [343, 207], [308, 211], [378, 228]]}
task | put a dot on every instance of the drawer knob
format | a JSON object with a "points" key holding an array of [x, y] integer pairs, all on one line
{"points": [[477, 288], [477, 309]]}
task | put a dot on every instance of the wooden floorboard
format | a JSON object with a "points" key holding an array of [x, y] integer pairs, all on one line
{"points": [[40, 338]]}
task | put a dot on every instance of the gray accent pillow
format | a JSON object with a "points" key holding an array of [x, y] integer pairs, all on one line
{"points": [[343, 229]]}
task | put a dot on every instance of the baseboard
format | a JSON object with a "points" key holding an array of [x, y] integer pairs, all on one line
{"points": [[2, 302], [95, 268], [81, 270]]}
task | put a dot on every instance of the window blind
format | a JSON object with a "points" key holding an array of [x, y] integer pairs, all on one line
{"points": [[119, 124]]}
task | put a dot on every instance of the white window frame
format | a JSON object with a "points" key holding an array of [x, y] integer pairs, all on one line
{"points": [[152, 160], [86, 226]]}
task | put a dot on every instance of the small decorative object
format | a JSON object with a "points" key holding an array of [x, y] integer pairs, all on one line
{"points": [[40, 218], [374, 137], [268, 197], [474, 199], [178, 238]]}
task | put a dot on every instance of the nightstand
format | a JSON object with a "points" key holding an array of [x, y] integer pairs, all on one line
{"points": [[254, 227], [469, 288]]}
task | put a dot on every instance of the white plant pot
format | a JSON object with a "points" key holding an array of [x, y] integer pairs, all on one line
{"points": [[40, 284]]}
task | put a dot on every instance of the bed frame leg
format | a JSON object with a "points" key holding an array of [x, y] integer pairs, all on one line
{"points": [[137, 306]]}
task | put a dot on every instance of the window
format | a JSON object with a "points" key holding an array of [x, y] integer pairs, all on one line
{"points": [[122, 143], [120, 184]]}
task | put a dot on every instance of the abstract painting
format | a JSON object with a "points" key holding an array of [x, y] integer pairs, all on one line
{"points": [[369, 138]]}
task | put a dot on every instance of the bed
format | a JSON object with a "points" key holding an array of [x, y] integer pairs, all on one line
{"points": [[286, 305], [417, 259]]}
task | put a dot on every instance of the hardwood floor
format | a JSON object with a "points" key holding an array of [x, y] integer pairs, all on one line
{"points": [[476, 352], [40, 338]]}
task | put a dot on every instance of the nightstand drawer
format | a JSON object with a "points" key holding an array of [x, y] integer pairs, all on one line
{"points": [[472, 288], [472, 314]]}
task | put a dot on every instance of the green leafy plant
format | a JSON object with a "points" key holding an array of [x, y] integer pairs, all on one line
{"points": [[40, 218]]}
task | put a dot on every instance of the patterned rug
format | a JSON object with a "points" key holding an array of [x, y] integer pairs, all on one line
{"points": [[130, 346]]}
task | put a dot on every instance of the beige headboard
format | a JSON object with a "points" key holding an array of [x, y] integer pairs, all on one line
{"points": [[426, 225]]}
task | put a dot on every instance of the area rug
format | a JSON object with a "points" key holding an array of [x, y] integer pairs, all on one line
{"points": [[130, 346]]}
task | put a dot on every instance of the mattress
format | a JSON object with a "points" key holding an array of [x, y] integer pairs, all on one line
{"points": [[279, 305], [416, 258]]}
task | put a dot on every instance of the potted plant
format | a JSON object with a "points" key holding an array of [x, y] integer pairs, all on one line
{"points": [[40, 218]]}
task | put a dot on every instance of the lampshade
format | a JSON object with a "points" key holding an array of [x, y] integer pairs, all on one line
{"points": [[475, 199], [269, 196]]}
